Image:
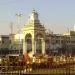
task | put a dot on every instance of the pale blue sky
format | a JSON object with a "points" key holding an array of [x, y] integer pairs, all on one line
{"points": [[57, 15]]}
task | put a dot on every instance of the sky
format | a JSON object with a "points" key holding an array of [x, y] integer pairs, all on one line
{"points": [[56, 15]]}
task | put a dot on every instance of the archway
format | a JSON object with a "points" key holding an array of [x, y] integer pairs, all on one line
{"points": [[28, 40], [47, 46], [39, 43]]}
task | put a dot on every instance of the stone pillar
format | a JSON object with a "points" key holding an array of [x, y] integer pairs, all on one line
{"points": [[43, 46], [33, 46], [24, 46]]}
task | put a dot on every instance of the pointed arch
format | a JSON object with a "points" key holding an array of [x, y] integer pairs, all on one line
{"points": [[28, 40]]}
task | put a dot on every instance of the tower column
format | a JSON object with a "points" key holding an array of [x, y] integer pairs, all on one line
{"points": [[24, 46], [43, 46], [33, 46]]}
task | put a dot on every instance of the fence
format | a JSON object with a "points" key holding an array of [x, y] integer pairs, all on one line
{"points": [[55, 67], [66, 69]]}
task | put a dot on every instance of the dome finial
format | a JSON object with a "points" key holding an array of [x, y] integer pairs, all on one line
{"points": [[34, 11]]}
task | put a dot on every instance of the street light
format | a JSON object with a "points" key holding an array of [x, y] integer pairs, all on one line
{"points": [[19, 15]]}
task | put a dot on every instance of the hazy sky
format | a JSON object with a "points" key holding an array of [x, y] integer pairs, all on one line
{"points": [[56, 15]]}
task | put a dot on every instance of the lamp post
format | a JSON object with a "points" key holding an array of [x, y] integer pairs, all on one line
{"points": [[19, 15]]}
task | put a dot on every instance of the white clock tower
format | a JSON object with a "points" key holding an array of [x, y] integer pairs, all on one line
{"points": [[34, 35]]}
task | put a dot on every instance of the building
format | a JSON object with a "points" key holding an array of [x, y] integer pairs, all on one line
{"points": [[34, 35], [70, 40], [34, 39], [4, 41], [4, 44]]}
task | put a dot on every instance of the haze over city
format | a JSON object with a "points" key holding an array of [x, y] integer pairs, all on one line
{"points": [[56, 15]]}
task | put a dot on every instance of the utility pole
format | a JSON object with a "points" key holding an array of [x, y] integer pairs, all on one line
{"points": [[11, 34], [11, 28], [19, 15]]}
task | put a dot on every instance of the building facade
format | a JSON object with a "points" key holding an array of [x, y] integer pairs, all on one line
{"points": [[34, 35], [35, 39]]}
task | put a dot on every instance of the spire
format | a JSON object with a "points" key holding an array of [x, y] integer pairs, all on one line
{"points": [[33, 19], [33, 16]]}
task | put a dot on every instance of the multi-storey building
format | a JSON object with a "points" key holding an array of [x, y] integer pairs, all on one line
{"points": [[70, 40], [4, 44], [4, 41]]}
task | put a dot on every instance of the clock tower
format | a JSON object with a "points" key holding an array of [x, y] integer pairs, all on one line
{"points": [[34, 35]]}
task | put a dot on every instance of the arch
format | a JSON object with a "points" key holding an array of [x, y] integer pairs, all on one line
{"points": [[28, 35], [47, 46], [28, 40], [39, 35]]}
